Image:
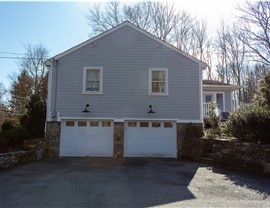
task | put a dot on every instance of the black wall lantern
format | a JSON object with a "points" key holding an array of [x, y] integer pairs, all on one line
{"points": [[86, 109], [150, 111]]}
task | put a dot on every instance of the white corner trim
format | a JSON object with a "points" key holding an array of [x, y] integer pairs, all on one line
{"points": [[48, 116]]}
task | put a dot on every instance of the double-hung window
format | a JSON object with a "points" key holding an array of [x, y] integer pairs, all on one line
{"points": [[92, 80], [158, 81]]}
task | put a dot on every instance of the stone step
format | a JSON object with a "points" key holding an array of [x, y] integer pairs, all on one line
{"points": [[207, 160], [209, 155]]}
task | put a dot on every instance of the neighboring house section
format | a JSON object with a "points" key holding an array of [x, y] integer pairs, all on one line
{"points": [[220, 94], [123, 93]]}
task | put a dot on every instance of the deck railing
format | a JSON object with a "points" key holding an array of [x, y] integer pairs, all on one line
{"points": [[207, 108]]}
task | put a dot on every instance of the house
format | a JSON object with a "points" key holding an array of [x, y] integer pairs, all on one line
{"points": [[219, 93], [123, 93]]}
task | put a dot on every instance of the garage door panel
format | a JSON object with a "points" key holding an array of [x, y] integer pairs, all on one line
{"points": [[82, 139], [154, 140]]}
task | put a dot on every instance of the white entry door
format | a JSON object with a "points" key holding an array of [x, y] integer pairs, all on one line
{"points": [[86, 138], [150, 139]]}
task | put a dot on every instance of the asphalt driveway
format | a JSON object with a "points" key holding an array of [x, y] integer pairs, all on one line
{"points": [[104, 182]]}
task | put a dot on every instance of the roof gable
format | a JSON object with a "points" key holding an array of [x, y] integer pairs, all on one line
{"points": [[126, 23]]}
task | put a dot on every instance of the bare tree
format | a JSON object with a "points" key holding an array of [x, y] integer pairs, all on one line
{"points": [[3, 91], [101, 20], [182, 35], [192, 36], [231, 56], [34, 65], [157, 18], [164, 19], [255, 29], [139, 14]]}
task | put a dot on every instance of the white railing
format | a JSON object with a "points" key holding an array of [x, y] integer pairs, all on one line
{"points": [[207, 108]]}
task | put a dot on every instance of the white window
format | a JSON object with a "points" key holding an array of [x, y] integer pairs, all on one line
{"points": [[158, 81], [92, 80]]}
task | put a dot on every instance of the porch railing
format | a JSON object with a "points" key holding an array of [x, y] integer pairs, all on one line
{"points": [[207, 108]]}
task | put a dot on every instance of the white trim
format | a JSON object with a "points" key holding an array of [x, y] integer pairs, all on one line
{"points": [[48, 116], [134, 119], [126, 23], [222, 87], [100, 81], [166, 93], [215, 97], [201, 94]]}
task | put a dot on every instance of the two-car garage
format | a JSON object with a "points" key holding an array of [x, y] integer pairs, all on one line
{"points": [[96, 138]]}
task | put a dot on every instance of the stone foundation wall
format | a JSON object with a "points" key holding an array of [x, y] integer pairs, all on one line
{"points": [[189, 141], [34, 151], [250, 157], [118, 137], [53, 130]]}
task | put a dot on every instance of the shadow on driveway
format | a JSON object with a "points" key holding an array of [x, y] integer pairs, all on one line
{"points": [[97, 182], [245, 180]]}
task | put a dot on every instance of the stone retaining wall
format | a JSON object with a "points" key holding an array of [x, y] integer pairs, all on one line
{"points": [[250, 157], [34, 150], [189, 143]]}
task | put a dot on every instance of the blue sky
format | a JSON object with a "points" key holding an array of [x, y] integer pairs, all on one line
{"points": [[58, 26]]}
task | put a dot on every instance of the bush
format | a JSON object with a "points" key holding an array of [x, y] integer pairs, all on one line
{"points": [[13, 133], [250, 124], [9, 124]]}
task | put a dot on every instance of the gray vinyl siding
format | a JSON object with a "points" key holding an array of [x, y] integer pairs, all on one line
{"points": [[126, 56]]}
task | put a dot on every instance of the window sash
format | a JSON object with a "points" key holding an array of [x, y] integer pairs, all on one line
{"points": [[92, 80], [158, 81]]}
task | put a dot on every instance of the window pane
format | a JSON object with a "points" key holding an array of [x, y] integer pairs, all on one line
{"points": [[82, 123], [207, 98], [92, 74], [106, 123], [156, 124], [220, 101], [92, 86], [70, 123], [144, 124], [132, 124], [158, 76], [168, 125], [94, 123], [158, 87]]}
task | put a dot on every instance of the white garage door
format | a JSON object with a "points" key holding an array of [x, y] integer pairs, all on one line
{"points": [[86, 138], [150, 139]]}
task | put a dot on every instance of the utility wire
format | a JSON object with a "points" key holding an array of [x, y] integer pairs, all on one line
{"points": [[9, 57], [11, 53]]}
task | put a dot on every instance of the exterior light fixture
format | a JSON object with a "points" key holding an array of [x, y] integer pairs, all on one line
{"points": [[86, 109], [150, 111]]}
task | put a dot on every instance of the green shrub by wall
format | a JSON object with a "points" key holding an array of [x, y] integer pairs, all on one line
{"points": [[250, 124]]}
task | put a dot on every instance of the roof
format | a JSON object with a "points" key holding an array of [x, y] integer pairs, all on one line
{"points": [[217, 85], [213, 82], [127, 23]]}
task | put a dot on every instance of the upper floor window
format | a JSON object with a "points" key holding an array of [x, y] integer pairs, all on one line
{"points": [[92, 80], [158, 81]]}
